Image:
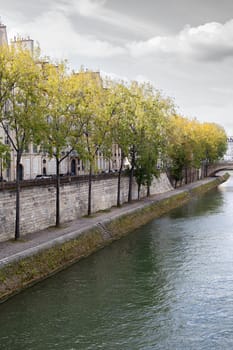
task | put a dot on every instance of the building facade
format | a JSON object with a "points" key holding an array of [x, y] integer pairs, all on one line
{"points": [[229, 153], [35, 162]]}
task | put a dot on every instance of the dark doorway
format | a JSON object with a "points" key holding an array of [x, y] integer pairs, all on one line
{"points": [[73, 167], [20, 172]]}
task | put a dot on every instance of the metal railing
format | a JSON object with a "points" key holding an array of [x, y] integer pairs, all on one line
{"points": [[11, 185]]}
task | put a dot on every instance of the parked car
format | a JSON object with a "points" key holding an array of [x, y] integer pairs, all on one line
{"points": [[39, 177]]}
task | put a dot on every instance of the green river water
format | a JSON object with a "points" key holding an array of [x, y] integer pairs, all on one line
{"points": [[168, 285]]}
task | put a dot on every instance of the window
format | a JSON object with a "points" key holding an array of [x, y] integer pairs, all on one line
{"points": [[35, 148]]}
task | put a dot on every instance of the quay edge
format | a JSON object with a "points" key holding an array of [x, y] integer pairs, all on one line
{"points": [[18, 274]]}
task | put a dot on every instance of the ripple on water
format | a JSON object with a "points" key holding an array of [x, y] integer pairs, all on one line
{"points": [[169, 285]]}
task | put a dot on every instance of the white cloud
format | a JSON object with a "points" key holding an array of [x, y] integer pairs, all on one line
{"points": [[98, 10], [85, 8], [173, 62], [211, 41], [89, 8], [223, 90], [114, 76], [59, 39]]}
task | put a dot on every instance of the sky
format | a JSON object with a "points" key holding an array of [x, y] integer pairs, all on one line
{"points": [[183, 47]]}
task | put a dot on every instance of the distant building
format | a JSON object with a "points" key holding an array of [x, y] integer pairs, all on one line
{"points": [[36, 162], [25, 43], [229, 153], [3, 35]]}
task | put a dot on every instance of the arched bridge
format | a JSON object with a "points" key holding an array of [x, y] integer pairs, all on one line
{"points": [[224, 165]]}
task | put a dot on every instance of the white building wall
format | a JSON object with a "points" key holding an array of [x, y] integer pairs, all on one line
{"points": [[229, 153]]}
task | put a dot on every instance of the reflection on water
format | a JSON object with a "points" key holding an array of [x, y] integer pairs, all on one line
{"points": [[197, 207], [168, 285]]}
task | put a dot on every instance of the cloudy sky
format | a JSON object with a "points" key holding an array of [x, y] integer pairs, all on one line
{"points": [[185, 47]]}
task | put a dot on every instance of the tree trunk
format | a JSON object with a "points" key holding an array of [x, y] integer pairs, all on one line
{"points": [[89, 190], [202, 170], [58, 180], [17, 207], [186, 175], [119, 183], [139, 189], [148, 190], [131, 175], [206, 169]]}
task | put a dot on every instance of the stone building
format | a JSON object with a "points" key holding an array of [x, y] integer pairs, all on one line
{"points": [[3, 35], [229, 153], [34, 162]]}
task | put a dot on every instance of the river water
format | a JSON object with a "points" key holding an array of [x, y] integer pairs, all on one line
{"points": [[168, 285]]}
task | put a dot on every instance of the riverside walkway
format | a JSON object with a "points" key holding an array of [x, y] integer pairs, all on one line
{"points": [[32, 243]]}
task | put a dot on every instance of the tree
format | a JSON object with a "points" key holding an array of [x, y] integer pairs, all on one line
{"points": [[180, 147], [214, 143], [96, 112], [146, 113], [146, 167], [4, 158], [64, 127], [152, 136], [120, 124], [191, 144], [135, 114], [9, 74], [21, 119]]}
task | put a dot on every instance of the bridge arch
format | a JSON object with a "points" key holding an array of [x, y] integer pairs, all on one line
{"points": [[220, 166]]}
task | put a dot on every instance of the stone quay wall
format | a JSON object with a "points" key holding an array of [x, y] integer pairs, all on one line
{"points": [[38, 202]]}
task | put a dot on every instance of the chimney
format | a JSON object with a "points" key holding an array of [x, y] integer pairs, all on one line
{"points": [[25, 43], [3, 34]]}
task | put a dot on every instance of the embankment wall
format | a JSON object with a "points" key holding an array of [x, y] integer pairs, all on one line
{"points": [[38, 202], [24, 272]]}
